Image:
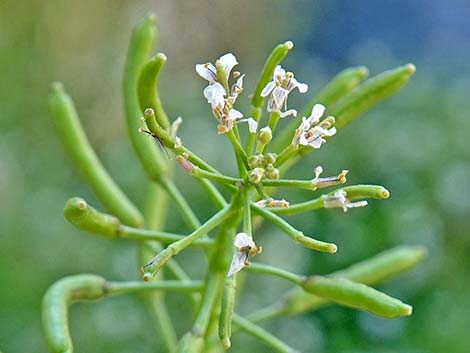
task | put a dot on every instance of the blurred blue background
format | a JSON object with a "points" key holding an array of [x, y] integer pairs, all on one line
{"points": [[415, 144]]}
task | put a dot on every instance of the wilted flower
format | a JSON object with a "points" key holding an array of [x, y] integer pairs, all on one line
{"points": [[272, 203], [311, 131], [246, 247], [340, 200], [318, 182], [279, 88]]}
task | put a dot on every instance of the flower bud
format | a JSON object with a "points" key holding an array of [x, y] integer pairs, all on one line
{"points": [[271, 158], [256, 160], [255, 175], [271, 172], [264, 135]]}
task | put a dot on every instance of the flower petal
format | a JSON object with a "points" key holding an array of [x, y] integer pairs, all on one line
{"points": [[228, 61], [252, 125], [215, 94], [207, 71], [317, 112], [234, 114], [243, 240], [279, 71], [238, 262], [268, 89], [287, 113]]}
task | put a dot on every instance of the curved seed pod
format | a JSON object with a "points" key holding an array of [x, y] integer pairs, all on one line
{"points": [[374, 270], [86, 218], [339, 86], [370, 93], [356, 295], [147, 88], [55, 304], [75, 142], [141, 44]]}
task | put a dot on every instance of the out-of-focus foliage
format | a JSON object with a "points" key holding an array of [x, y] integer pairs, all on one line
{"points": [[416, 144]]}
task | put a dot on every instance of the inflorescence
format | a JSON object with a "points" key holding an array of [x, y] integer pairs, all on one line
{"points": [[263, 155]]}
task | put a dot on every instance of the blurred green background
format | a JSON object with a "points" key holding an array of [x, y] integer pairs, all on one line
{"points": [[416, 145]]}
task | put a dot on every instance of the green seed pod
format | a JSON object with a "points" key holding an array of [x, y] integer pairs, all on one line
{"points": [[69, 129], [86, 218], [370, 93], [374, 270], [356, 295], [55, 304], [150, 156], [147, 88]]}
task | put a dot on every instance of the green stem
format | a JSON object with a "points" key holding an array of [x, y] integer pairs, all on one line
{"points": [[293, 183], [180, 202], [75, 142], [168, 141], [140, 287], [285, 155], [353, 192], [264, 336], [214, 194], [164, 237], [293, 233], [201, 173], [239, 153], [247, 226], [226, 311], [194, 341], [274, 271], [173, 249]]}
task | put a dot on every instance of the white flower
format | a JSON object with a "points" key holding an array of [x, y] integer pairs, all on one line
{"points": [[246, 247], [209, 72], [215, 95], [311, 131], [226, 121], [339, 200], [279, 88]]}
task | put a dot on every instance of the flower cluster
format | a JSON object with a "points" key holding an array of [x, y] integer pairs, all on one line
{"points": [[262, 158], [220, 96]]}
